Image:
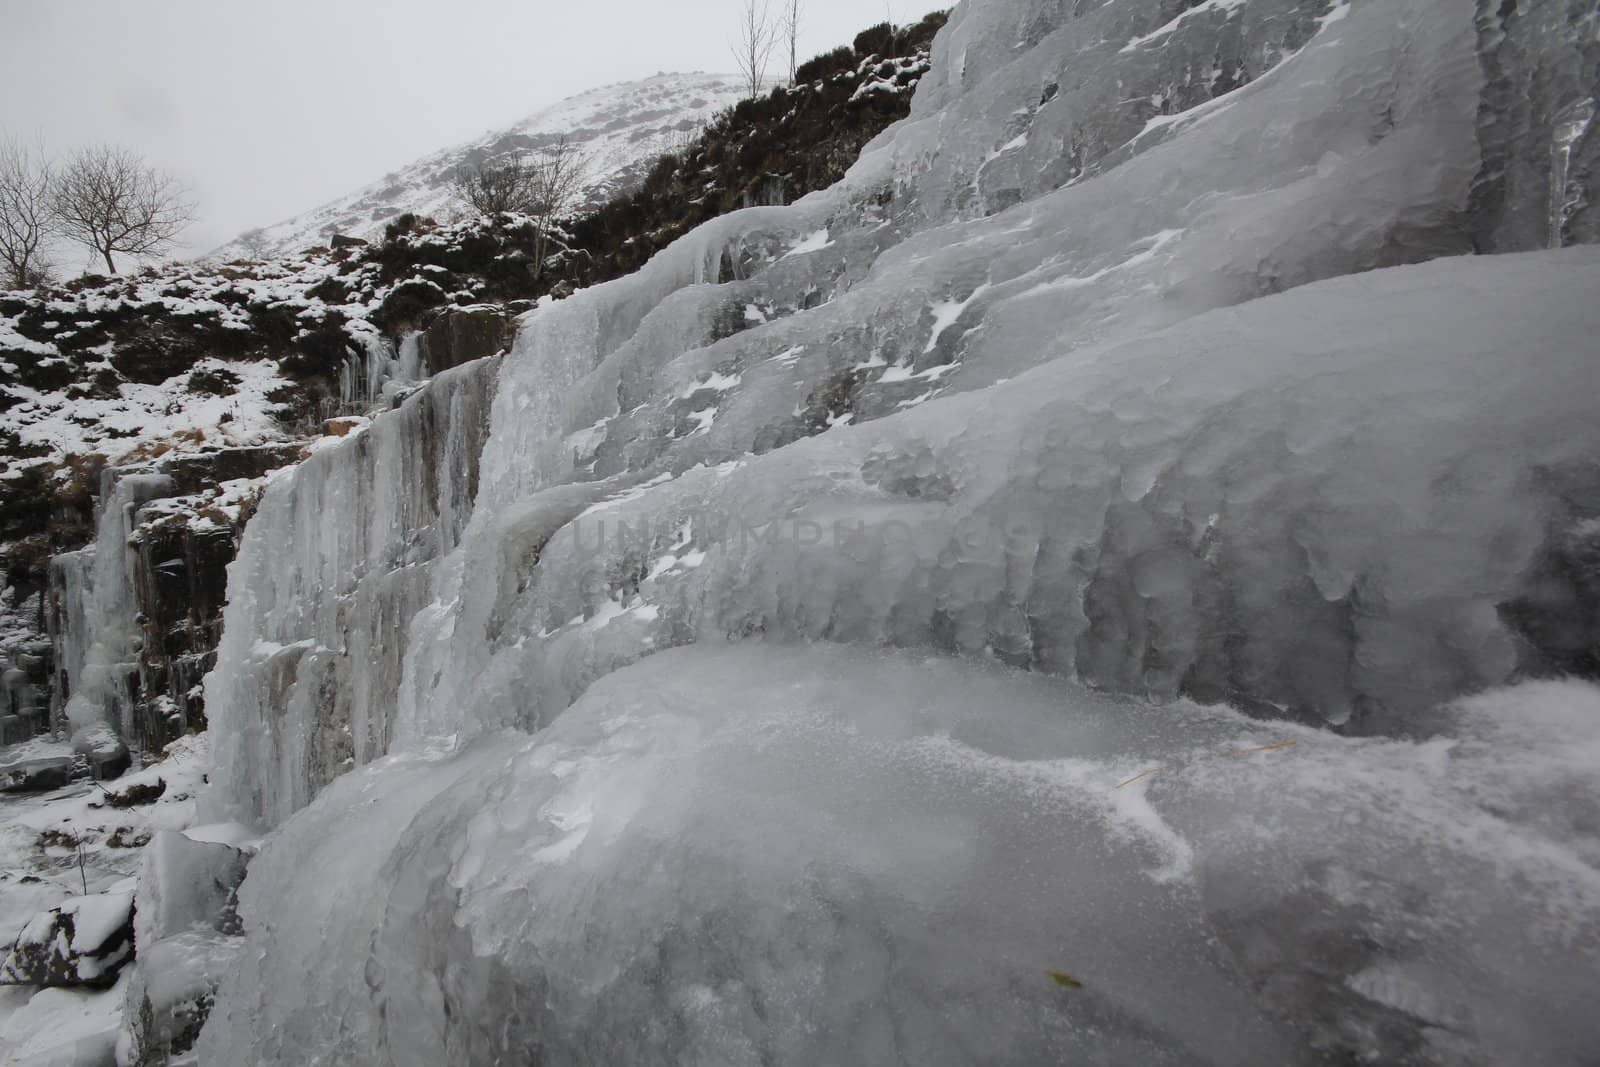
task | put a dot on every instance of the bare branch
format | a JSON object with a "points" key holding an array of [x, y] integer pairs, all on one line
{"points": [[109, 200], [254, 242], [752, 47], [791, 29], [27, 216], [542, 189]]}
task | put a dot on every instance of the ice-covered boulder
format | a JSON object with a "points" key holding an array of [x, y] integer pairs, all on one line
{"points": [[82, 942], [36, 765], [170, 994]]}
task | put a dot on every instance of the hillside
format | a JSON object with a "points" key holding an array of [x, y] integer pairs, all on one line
{"points": [[619, 130]]}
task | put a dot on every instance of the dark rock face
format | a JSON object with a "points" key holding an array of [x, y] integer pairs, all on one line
{"points": [[83, 942], [180, 575], [461, 335], [176, 560]]}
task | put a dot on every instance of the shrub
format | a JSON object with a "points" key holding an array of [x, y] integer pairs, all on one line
{"points": [[839, 61], [876, 40]]}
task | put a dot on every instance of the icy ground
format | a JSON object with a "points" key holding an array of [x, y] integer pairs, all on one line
{"points": [[40, 839]]}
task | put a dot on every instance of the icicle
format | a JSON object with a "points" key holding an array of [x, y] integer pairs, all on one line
{"points": [[1569, 128]]}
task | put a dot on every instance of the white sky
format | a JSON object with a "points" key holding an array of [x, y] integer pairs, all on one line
{"points": [[266, 108]]}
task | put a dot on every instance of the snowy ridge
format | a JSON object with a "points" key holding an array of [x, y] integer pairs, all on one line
{"points": [[744, 708], [618, 129]]}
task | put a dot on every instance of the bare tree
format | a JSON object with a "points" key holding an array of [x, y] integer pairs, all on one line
{"points": [[493, 189], [543, 189], [27, 217], [254, 242], [110, 200], [558, 176], [791, 30], [752, 47]]}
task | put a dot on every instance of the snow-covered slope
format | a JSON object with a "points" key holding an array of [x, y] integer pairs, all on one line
{"points": [[735, 683], [618, 129]]}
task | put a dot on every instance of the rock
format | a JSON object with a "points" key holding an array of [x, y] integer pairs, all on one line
{"points": [[187, 925], [35, 765], [406, 304], [339, 240], [461, 335], [343, 427], [36, 775], [105, 753], [136, 794], [83, 942], [171, 993]]}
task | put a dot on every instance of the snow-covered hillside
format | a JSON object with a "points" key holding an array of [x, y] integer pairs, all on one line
{"points": [[619, 130]]}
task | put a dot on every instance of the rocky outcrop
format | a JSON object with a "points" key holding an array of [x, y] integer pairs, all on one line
{"points": [[83, 942], [461, 335], [173, 538]]}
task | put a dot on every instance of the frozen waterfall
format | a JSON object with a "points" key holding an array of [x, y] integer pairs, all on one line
{"points": [[714, 678]]}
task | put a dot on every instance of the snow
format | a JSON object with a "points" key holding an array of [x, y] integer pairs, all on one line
{"points": [[720, 383], [813, 242], [60, 1027], [141, 417], [1224, 7], [619, 130], [69, 1026], [947, 313]]}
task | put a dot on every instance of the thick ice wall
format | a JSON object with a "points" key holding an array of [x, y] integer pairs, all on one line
{"points": [[872, 312], [798, 855], [335, 563], [1332, 503], [1354, 142]]}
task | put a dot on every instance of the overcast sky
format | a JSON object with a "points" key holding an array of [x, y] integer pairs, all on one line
{"points": [[269, 107]]}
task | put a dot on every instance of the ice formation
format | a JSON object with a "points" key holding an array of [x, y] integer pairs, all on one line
{"points": [[99, 635], [1072, 381], [337, 561], [767, 854]]}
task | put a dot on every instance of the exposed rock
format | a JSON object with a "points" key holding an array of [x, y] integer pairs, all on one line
{"points": [[83, 942], [172, 992], [106, 754], [136, 794], [461, 335], [344, 426], [35, 774]]}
